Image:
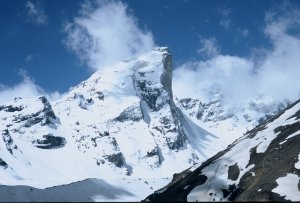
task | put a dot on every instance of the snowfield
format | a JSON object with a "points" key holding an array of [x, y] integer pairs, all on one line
{"points": [[120, 124], [122, 134], [262, 165]]}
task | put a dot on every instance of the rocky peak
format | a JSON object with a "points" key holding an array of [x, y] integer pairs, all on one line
{"points": [[130, 102], [29, 112], [226, 123], [121, 122], [153, 81]]}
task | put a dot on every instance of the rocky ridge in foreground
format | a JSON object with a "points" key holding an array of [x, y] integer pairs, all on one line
{"points": [[263, 165]]}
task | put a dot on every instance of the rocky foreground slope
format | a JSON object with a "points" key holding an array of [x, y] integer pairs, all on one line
{"points": [[263, 165]]}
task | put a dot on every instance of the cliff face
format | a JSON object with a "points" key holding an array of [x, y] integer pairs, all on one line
{"points": [[263, 165], [228, 124], [122, 126], [120, 123]]}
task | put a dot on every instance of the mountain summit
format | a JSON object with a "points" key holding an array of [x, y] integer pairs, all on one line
{"points": [[120, 123], [121, 129]]}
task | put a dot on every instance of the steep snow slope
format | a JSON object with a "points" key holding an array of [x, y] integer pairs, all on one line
{"points": [[124, 119], [228, 124], [263, 165], [121, 124], [34, 148]]}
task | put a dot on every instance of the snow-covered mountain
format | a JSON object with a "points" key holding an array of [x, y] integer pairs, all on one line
{"points": [[262, 165], [228, 124], [121, 123], [121, 130]]}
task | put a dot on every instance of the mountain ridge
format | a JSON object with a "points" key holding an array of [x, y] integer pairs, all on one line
{"points": [[270, 172], [120, 123], [122, 126]]}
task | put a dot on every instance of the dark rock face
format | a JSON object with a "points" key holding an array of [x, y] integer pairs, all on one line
{"points": [[176, 144], [90, 101], [150, 90], [11, 108], [149, 94], [166, 77], [273, 113], [100, 95], [119, 161], [81, 100], [189, 103], [157, 94], [296, 115], [214, 110], [257, 183], [48, 112], [231, 192], [3, 164], [116, 159], [50, 142], [179, 176], [32, 120], [177, 191], [100, 161], [156, 152], [132, 113], [9, 143], [252, 133], [233, 172], [277, 161], [168, 126], [45, 117]]}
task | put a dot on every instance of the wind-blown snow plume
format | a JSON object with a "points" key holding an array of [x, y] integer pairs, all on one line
{"points": [[104, 33]]}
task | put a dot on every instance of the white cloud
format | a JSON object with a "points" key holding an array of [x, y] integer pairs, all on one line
{"points": [[35, 13], [26, 88], [279, 24], [105, 33], [209, 47], [205, 78], [225, 22], [274, 74]]}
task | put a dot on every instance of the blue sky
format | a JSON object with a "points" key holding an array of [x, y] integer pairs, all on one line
{"points": [[39, 52]]}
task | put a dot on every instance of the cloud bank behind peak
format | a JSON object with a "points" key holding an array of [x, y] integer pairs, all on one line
{"points": [[270, 72]]}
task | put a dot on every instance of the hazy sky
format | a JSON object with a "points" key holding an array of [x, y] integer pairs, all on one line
{"points": [[242, 48]]}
